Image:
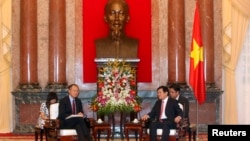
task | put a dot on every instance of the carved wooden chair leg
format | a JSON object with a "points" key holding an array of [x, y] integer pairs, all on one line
{"points": [[38, 132]]}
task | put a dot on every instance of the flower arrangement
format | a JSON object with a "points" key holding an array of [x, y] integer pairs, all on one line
{"points": [[116, 89]]}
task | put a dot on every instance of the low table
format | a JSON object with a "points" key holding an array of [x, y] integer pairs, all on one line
{"points": [[137, 127], [98, 127]]}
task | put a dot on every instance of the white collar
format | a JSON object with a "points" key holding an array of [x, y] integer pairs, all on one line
{"points": [[177, 98], [165, 100], [71, 98]]}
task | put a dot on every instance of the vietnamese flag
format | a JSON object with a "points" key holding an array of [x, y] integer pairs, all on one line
{"points": [[196, 74]]}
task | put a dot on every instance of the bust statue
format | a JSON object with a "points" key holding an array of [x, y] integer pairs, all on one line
{"points": [[116, 44]]}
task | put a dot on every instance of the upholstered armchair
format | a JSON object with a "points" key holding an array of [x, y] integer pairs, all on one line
{"points": [[54, 133]]}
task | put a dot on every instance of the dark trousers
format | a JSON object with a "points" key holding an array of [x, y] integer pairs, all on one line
{"points": [[165, 125], [78, 123]]}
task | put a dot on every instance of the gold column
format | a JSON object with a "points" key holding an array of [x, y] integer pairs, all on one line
{"points": [[207, 29], [176, 42], [28, 44], [57, 43]]}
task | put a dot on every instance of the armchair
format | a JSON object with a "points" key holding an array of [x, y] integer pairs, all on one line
{"points": [[175, 134], [54, 133]]}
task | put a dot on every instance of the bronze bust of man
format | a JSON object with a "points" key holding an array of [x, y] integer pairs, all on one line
{"points": [[116, 44]]}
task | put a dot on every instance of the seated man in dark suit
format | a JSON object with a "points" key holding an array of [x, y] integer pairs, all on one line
{"points": [[174, 90], [116, 44], [71, 105], [164, 114]]}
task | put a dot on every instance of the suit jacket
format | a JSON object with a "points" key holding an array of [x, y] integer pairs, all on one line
{"points": [[184, 101], [172, 110], [65, 108]]}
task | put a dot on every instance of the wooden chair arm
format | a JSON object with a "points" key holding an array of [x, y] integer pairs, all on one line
{"points": [[183, 123], [182, 127], [52, 123]]}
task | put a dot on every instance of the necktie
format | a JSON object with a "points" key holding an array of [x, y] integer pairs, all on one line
{"points": [[73, 107], [162, 111]]}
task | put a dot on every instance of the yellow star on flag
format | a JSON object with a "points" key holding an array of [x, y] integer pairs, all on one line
{"points": [[197, 53]]}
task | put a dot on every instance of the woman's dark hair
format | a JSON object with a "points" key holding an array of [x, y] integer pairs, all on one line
{"points": [[50, 96], [164, 89]]}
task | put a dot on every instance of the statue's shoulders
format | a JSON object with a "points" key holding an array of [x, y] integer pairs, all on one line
{"points": [[130, 42], [102, 40], [105, 48], [130, 39], [125, 39]]}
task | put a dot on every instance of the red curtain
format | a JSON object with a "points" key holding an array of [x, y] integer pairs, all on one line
{"points": [[139, 27]]}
